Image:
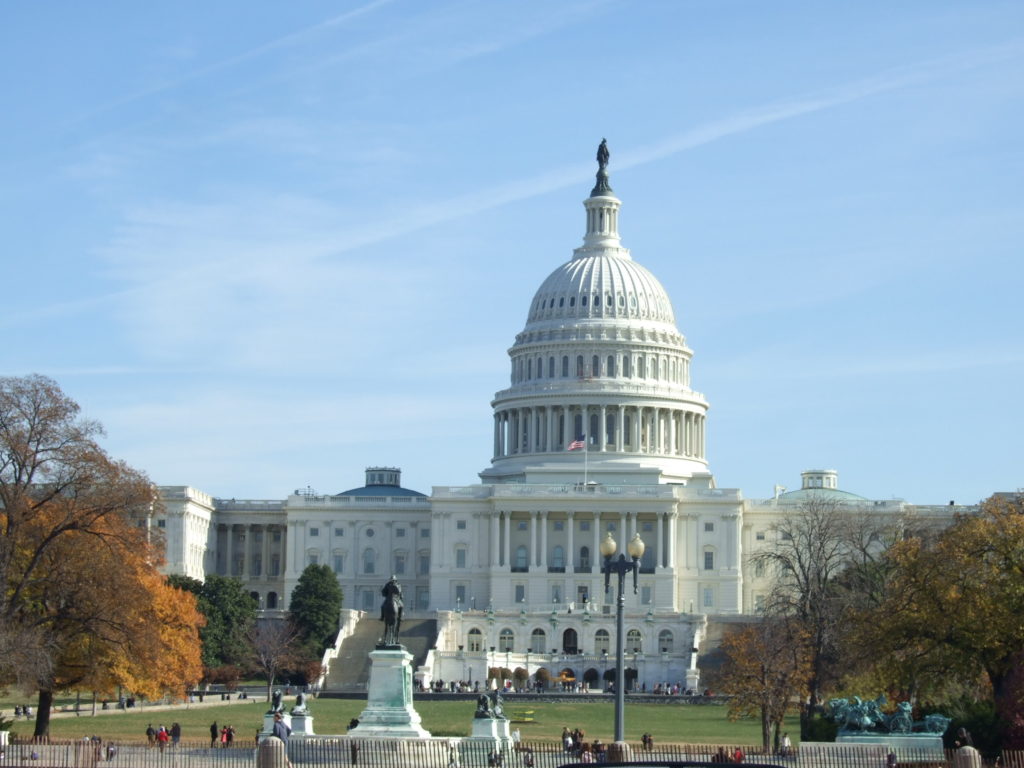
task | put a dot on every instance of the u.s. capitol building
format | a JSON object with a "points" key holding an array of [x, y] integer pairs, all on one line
{"points": [[507, 572]]}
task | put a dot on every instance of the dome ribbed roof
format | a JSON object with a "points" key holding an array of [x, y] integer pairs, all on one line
{"points": [[601, 286]]}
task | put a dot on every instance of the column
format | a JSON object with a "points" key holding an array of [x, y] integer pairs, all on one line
{"points": [[659, 540], [623, 541], [620, 432], [265, 555], [670, 553], [507, 519], [585, 424], [543, 563], [570, 560], [602, 428], [551, 428], [495, 538], [595, 553], [672, 432], [231, 550], [497, 432], [533, 539], [639, 430]]}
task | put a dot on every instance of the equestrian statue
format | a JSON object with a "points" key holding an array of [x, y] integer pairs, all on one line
{"points": [[391, 612]]}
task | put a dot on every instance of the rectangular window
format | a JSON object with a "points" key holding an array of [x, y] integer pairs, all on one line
{"points": [[759, 569], [556, 593], [520, 593], [610, 527], [647, 527], [422, 598], [709, 561], [759, 535], [709, 597], [399, 565], [424, 565], [460, 558], [584, 525], [424, 533], [400, 533], [339, 531], [521, 525], [460, 594], [559, 525], [759, 603], [709, 527], [277, 537], [314, 531], [161, 523], [460, 525], [645, 595], [582, 594], [275, 565], [314, 559], [339, 563]]}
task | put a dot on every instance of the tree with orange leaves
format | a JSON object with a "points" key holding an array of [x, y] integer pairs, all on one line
{"points": [[79, 579]]}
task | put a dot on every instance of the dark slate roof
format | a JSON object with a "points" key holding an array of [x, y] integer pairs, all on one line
{"points": [[381, 490]]}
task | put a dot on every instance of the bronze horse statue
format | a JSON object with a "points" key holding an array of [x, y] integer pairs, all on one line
{"points": [[391, 612]]}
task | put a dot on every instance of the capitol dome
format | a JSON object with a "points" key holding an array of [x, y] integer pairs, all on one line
{"points": [[600, 365]]}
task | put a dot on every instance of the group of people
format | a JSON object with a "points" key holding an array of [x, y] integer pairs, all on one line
{"points": [[575, 745], [222, 736], [722, 756], [162, 736]]}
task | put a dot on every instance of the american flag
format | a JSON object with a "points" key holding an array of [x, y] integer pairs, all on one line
{"points": [[578, 444]]}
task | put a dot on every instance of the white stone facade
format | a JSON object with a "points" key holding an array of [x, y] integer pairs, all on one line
{"points": [[511, 565]]}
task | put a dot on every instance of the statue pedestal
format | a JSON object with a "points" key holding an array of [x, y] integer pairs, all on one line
{"points": [[302, 724], [268, 723], [389, 712], [909, 747]]}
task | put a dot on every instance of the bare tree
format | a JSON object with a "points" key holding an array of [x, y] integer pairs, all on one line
{"points": [[273, 647]]}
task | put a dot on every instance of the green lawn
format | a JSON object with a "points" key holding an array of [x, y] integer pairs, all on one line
{"points": [[668, 723]]}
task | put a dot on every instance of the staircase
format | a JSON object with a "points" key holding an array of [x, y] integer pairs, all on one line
{"points": [[350, 671]]}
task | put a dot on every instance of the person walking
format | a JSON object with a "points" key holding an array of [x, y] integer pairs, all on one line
{"points": [[150, 734], [214, 733]]}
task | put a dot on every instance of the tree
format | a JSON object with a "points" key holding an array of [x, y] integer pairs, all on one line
{"points": [[78, 575], [767, 666], [956, 604], [230, 612], [273, 647], [315, 607]]}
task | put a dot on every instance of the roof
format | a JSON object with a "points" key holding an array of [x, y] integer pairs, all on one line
{"points": [[380, 490], [830, 494]]}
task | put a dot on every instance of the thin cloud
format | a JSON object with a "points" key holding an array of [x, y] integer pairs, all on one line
{"points": [[286, 41]]}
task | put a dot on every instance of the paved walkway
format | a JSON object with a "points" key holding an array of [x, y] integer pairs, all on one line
{"points": [[85, 710]]}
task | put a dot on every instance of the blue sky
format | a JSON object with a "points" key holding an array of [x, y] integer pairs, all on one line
{"points": [[269, 244]]}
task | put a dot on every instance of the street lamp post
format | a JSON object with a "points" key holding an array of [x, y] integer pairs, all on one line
{"points": [[619, 750]]}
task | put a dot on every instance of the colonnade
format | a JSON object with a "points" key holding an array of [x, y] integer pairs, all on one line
{"points": [[619, 428], [255, 555], [627, 524]]}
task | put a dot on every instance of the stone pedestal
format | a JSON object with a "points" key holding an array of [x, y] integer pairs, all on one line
{"points": [[494, 729], [268, 722], [908, 747], [389, 712], [302, 724]]}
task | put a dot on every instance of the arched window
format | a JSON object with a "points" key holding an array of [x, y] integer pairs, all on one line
{"points": [[529, 369], [579, 366], [640, 368], [271, 599], [665, 641], [506, 640], [551, 367], [522, 558], [539, 641], [540, 367], [475, 640], [558, 556], [595, 366], [611, 366], [634, 642], [255, 596], [565, 366], [369, 561], [584, 557], [625, 366], [601, 641]]}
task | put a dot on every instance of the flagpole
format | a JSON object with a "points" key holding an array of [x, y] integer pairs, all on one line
{"points": [[586, 459]]}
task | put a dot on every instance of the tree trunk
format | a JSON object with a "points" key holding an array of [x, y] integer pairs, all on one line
{"points": [[766, 729], [43, 715]]}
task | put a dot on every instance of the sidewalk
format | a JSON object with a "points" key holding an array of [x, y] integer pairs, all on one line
{"points": [[85, 710]]}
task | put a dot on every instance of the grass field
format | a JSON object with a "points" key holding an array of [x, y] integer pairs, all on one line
{"points": [[668, 723]]}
